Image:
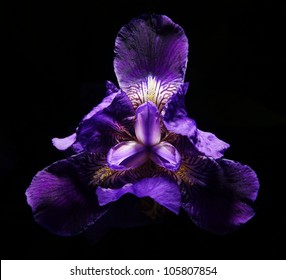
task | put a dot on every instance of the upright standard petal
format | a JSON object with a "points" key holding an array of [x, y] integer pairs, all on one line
{"points": [[151, 54], [176, 119], [60, 196], [163, 190], [225, 202], [147, 125]]}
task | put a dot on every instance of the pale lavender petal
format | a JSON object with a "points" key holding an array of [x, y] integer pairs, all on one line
{"points": [[126, 155], [226, 201], [147, 125], [166, 155], [62, 199], [64, 143], [164, 191], [151, 55]]}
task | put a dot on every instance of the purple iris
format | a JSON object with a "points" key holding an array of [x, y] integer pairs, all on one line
{"points": [[140, 141]]}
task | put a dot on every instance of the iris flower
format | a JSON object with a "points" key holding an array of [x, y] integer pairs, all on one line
{"points": [[140, 141]]}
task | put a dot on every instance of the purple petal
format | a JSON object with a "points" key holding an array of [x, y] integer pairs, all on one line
{"points": [[65, 143], [162, 190], [241, 178], [98, 132], [147, 125], [176, 120], [60, 196], [225, 203], [126, 155], [166, 155], [175, 116], [151, 55], [102, 105], [198, 170], [110, 88], [208, 144]]}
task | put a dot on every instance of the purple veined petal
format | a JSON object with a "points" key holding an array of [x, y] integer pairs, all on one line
{"points": [[225, 203], [126, 155], [198, 170], [147, 125], [164, 191], [151, 54], [97, 133], [176, 119], [64, 143], [166, 155], [60, 196], [240, 178]]}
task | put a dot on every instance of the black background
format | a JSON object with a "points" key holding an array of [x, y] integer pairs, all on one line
{"points": [[55, 60]]}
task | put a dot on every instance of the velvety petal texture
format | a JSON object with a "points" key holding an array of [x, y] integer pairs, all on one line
{"points": [[176, 120], [163, 190], [226, 201], [151, 54], [60, 196]]}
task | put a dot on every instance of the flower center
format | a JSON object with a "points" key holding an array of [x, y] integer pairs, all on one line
{"points": [[147, 146], [152, 89]]}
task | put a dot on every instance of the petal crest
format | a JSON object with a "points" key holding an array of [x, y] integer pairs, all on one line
{"points": [[126, 155], [166, 155], [147, 125]]}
